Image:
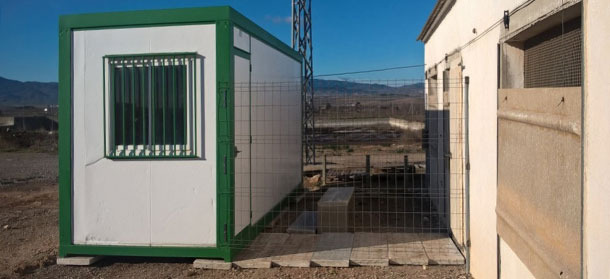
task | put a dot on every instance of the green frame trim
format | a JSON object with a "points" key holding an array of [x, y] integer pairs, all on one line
{"points": [[145, 251], [225, 153], [140, 55], [241, 53], [172, 17], [225, 18], [140, 158], [65, 138]]}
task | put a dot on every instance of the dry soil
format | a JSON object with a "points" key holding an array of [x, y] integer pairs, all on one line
{"points": [[29, 238]]}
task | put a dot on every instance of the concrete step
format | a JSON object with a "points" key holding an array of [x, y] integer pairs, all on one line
{"points": [[305, 223]]}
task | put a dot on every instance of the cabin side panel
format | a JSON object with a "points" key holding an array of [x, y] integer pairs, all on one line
{"points": [[142, 201], [275, 126]]}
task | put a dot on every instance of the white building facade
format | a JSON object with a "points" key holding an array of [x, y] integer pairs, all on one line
{"points": [[537, 205]]}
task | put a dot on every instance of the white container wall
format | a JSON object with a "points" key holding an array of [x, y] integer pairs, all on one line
{"points": [[267, 129], [142, 202]]}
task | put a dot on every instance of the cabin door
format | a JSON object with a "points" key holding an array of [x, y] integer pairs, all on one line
{"points": [[243, 193]]}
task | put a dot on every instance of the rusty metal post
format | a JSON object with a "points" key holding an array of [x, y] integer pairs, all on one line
{"points": [[324, 171], [467, 176], [368, 167], [406, 170]]}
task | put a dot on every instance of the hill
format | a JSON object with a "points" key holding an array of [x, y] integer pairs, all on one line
{"points": [[31, 93], [331, 87], [17, 93]]}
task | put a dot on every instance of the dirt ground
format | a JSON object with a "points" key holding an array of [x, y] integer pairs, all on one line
{"points": [[29, 238]]}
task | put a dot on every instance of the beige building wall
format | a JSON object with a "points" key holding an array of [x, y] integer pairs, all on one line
{"points": [[479, 62], [597, 132], [478, 59], [474, 29]]}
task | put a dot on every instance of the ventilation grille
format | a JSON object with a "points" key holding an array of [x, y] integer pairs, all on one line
{"points": [[553, 58]]}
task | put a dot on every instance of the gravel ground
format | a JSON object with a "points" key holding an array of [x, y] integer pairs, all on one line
{"points": [[19, 168], [29, 238]]}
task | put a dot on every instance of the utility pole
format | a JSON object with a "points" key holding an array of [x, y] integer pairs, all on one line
{"points": [[302, 42]]}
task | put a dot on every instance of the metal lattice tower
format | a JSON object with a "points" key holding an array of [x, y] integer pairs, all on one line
{"points": [[302, 42]]}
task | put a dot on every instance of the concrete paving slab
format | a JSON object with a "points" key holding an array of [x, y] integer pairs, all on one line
{"points": [[441, 250], [369, 249], [406, 249], [79, 261], [258, 253], [212, 264], [296, 251], [333, 250]]}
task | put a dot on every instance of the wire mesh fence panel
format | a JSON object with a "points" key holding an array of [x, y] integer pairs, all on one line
{"points": [[389, 173], [371, 134], [268, 166]]}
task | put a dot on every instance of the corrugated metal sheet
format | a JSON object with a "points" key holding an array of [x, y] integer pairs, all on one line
{"points": [[539, 192]]}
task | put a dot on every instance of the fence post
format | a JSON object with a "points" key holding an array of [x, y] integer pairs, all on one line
{"points": [[466, 93], [324, 171], [406, 170], [368, 167]]}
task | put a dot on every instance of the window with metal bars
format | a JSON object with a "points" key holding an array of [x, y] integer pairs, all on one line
{"points": [[150, 110]]}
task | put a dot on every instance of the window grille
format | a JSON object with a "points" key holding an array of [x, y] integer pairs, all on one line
{"points": [[149, 105], [553, 58]]}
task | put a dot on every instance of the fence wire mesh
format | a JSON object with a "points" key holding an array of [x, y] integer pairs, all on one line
{"points": [[388, 181]]}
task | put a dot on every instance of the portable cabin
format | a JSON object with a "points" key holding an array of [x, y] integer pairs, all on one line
{"points": [[171, 122]]}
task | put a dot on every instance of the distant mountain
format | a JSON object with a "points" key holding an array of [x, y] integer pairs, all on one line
{"points": [[329, 87], [17, 93]]}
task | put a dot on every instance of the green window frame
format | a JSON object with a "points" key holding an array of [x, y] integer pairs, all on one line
{"points": [[150, 105]]}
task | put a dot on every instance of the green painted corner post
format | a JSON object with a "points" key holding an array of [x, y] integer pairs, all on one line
{"points": [[225, 140], [65, 128]]}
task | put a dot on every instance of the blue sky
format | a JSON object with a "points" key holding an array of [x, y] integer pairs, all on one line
{"points": [[348, 35]]}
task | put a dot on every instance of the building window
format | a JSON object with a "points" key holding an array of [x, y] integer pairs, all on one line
{"points": [[149, 105]]}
